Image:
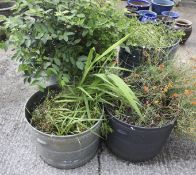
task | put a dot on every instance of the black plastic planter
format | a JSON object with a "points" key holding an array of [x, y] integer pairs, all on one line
{"points": [[135, 143], [6, 7], [2, 32], [65, 152], [139, 55]]}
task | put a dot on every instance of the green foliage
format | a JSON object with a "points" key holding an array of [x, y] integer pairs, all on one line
{"points": [[152, 35], [66, 113], [78, 107], [53, 38], [166, 93]]}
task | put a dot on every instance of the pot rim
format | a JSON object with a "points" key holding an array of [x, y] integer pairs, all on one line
{"points": [[172, 122], [143, 12], [172, 14], [165, 5], [12, 3], [66, 136], [135, 5], [189, 23], [144, 47]]}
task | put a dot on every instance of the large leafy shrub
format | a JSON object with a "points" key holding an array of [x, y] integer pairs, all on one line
{"points": [[52, 38]]}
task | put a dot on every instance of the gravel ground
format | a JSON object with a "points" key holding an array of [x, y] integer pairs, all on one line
{"points": [[18, 154]]}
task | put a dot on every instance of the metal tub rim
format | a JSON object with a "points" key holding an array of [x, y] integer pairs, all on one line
{"points": [[56, 136]]}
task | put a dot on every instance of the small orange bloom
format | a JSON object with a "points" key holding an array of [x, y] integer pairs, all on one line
{"points": [[175, 95], [146, 89], [193, 102], [188, 92], [161, 66]]}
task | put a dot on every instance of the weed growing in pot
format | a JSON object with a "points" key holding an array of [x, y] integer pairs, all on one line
{"points": [[53, 38], [166, 94], [152, 35], [149, 42], [78, 107]]}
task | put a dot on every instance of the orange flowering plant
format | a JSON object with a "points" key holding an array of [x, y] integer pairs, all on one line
{"points": [[164, 97]]}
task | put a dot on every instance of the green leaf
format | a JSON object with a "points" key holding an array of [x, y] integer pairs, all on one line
{"points": [[65, 37], [39, 36], [77, 41], [84, 33], [91, 63], [66, 78], [51, 71], [46, 65], [127, 49], [112, 47], [82, 58], [117, 85], [28, 42], [57, 61], [81, 15], [85, 92], [80, 65]]}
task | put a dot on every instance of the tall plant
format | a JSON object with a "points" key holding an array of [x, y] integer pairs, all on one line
{"points": [[77, 107]]}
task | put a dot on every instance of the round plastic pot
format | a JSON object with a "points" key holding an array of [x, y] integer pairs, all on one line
{"points": [[186, 26], [63, 152], [147, 15], [139, 55], [172, 15], [159, 6], [135, 143], [6, 7], [139, 4]]}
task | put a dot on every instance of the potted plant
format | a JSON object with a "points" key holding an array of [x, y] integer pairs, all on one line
{"points": [[164, 98], [149, 42], [66, 121], [53, 38]]}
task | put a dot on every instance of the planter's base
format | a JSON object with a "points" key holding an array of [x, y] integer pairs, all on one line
{"points": [[134, 143], [132, 154], [68, 165]]}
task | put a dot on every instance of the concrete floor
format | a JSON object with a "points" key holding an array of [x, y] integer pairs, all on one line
{"points": [[18, 155]]}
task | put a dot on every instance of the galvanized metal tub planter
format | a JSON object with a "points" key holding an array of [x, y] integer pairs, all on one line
{"points": [[134, 143], [63, 152]]}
